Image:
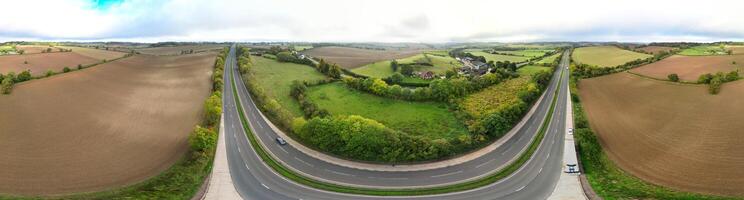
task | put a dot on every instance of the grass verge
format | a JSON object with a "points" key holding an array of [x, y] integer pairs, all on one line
{"points": [[300, 179]]}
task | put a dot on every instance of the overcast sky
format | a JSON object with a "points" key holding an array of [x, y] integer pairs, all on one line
{"points": [[372, 20]]}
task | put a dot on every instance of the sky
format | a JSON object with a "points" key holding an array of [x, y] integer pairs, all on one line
{"points": [[431, 21]]}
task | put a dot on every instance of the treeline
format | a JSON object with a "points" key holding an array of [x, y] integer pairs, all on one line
{"points": [[309, 108], [588, 71], [439, 89], [274, 111], [714, 81], [203, 138]]}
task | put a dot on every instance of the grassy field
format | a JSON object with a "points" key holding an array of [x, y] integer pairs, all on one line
{"points": [[528, 53], [6, 48], [429, 119], [382, 69], [531, 69], [276, 77], [496, 57], [548, 59], [704, 50], [491, 99], [605, 56], [302, 47], [658, 118]]}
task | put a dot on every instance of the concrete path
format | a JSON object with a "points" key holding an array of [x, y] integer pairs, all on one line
{"points": [[569, 185], [220, 184]]}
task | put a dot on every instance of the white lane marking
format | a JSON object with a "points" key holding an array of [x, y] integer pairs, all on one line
{"points": [[238, 148], [540, 170], [447, 174], [339, 173], [546, 157], [478, 166], [246, 166], [302, 161], [267, 187], [521, 188], [260, 125], [391, 178], [285, 151]]}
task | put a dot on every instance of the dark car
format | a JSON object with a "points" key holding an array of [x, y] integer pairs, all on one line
{"points": [[281, 141]]}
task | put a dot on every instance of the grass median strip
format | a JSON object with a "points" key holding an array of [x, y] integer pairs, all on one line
{"points": [[284, 171]]}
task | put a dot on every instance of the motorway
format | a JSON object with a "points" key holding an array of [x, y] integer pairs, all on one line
{"points": [[255, 180]]}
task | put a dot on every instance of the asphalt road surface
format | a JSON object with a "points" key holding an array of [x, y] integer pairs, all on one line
{"points": [[255, 180]]}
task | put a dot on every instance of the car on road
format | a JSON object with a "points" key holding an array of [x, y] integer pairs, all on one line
{"points": [[281, 141], [570, 130]]}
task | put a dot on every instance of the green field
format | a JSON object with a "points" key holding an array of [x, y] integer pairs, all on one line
{"points": [[494, 98], [276, 77], [6, 48], [381, 69], [704, 50], [531, 69], [302, 47], [429, 119], [415, 80], [548, 59], [496, 57], [532, 53], [605, 56]]}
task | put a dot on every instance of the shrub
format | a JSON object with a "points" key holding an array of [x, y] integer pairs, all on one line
{"points": [[6, 85], [213, 109], [49, 73], [202, 139], [66, 69], [705, 78], [396, 78], [673, 77], [23, 76], [715, 85], [80, 66]]}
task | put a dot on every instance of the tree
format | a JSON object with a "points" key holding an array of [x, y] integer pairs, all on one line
{"points": [[49, 73], [394, 65], [715, 85], [23, 76], [334, 71], [406, 70], [451, 73], [705, 78], [66, 69], [284, 56], [732, 76], [6, 85], [80, 66], [673, 77], [396, 78], [297, 88], [202, 139], [213, 109]]}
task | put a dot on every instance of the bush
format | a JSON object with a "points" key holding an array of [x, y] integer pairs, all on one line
{"points": [[673, 77], [23, 76], [66, 69], [6, 85], [705, 78], [213, 109], [49, 73], [202, 139], [715, 85], [396, 78], [80, 66]]}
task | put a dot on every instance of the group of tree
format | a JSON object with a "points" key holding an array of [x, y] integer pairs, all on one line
{"points": [[203, 139], [511, 66], [311, 110], [714, 81], [7, 81], [331, 70]]}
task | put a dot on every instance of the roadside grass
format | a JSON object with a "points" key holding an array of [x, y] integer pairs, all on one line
{"points": [[529, 70], [607, 179], [605, 56], [549, 59], [381, 69], [433, 120], [490, 179], [497, 57], [703, 50], [277, 77]]}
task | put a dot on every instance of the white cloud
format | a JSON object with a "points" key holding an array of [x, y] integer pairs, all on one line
{"points": [[375, 20]]}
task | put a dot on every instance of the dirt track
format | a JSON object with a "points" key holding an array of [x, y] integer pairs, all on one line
{"points": [[689, 68], [350, 58], [670, 134], [103, 127]]}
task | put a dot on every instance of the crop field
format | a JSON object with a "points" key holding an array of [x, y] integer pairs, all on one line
{"points": [[350, 58], [528, 53], [276, 78], [605, 56], [531, 69], [35, 48], [497, 57], [703, 50], [689, 68], [548, 59], [41, 63], [382, 69], [655, 49], [670, 134], [491, 99], [735, 49], [103, 127], [302, 47], [176, 50], [430, 119]]}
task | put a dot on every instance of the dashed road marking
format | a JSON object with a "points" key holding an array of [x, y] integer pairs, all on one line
{"points": [[478, 166], [521, 188], [302, 161], [339, 173], [447, 174], [267, 187]]}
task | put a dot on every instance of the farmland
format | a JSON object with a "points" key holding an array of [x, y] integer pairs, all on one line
{"points": [[42, 62], [735, 49], [28, 49], [176, 50], [531, 69], [703, 50], [494, 98], [549, 59], [430, 119], [497, 57], [689, 68], [382, 69], [605, 56], [655, 49], [106, 127], [350, 58], [532, 53], [302, 47], [645, 128], [276, 77]]}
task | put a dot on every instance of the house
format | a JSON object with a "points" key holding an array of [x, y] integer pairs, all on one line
{"points": [[426, 75]]}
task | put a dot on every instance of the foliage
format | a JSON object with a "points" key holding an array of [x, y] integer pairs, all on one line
{"points": [[202, 139], [581, 70], [212, 108], [673, 77], [66, 69], [396, 78], [23, 76], [6, 85], [714, 81]]}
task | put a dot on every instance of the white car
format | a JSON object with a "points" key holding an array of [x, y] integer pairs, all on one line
{"points": [[570, 130]]}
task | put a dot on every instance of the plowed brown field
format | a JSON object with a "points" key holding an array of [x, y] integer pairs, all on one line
{"points": [[28, 49], [670, 134], [736, 49], [42, 62], [176, 50], [689, 68], [100, 128], [350, 58]]}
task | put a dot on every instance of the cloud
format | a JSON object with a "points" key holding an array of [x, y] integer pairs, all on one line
{"points": [[374, 21]]}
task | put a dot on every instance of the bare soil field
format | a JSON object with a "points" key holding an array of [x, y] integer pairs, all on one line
{"points": [[655, 49], [351, 58], [101, 128], [96, 53], [35, 48], [670, 134], [176, 50], [735, 49], [689, 68], [41, 63]]}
